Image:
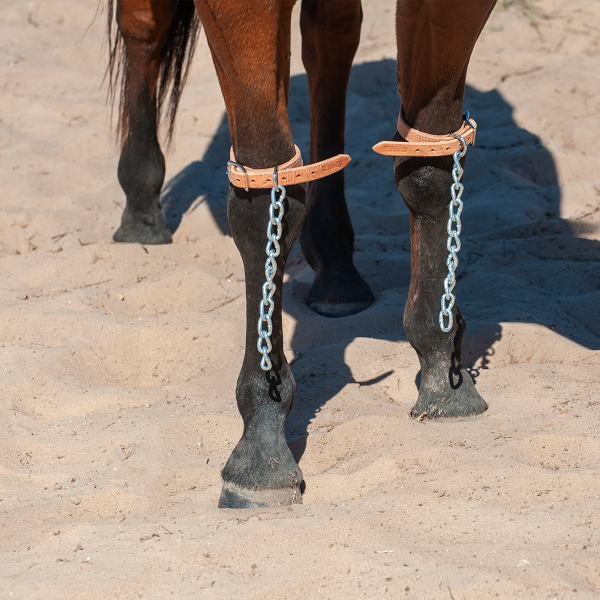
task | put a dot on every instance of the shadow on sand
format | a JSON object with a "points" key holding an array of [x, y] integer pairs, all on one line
{"points": [[519, 258]]}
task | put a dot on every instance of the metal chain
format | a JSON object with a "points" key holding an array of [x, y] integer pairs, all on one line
{"points": [[267, 306], [453, 243]]}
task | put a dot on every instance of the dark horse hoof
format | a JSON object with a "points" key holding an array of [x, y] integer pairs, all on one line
{"points": [[340, 296], [450, 403], [343, 309], [143, 228], [233, 496]]}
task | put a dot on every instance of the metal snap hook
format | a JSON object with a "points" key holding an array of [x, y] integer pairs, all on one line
{"points": [[463, 142]]}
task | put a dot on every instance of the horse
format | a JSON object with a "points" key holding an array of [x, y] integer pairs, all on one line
{"points": [[269, 205]]}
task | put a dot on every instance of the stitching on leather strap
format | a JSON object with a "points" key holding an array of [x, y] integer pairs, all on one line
{"points": [[288, 173], [419, 143]]}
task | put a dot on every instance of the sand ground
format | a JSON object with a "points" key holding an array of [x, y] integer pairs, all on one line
{"points": [[119, 361]]}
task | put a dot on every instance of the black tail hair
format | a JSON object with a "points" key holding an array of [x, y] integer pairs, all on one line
{"points": [[176, 57]]}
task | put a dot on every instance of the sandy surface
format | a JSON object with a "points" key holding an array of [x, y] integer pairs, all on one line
{"points": [[119, 362]]}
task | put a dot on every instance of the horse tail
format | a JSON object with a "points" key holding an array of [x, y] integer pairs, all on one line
{"points": [[176, 58]]}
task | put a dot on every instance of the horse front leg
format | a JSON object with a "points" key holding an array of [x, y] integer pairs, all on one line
{"points": [[435, 41], [330, 36], [252, 64], [150, 30], [261, 471]]}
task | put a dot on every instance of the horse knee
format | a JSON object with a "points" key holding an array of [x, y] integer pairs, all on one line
{"points": [[144, 22]]}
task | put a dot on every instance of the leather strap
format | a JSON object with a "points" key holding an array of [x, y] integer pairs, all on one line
{"points": [[289, 173], [426, 144]]}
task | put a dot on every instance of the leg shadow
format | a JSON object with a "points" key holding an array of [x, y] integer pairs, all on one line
{"points": [[519, 256], [201, 181]]}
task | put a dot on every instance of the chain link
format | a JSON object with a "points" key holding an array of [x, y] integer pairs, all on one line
{"points": [[453, 243], [273, 249]]}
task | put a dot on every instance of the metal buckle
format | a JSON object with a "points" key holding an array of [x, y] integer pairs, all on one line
{"points": [[229, 164], [471, 126]]}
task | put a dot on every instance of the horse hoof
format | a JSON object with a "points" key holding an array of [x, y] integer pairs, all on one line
{"points": [[233, 496], [126, 235], [453, 404], [343, 309], [142, 235], [143, 228]]}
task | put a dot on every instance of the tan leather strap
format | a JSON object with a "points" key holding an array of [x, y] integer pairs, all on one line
{"points": [[287, 174], [426, 144]]}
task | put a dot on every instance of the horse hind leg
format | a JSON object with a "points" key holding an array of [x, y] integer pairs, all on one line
{"points": [[252, 64], [154, 44], [432, 65], [330, 36]]}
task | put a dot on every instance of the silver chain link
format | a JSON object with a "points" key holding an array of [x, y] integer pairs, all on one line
{"points": [[267, 305], [453, 243]]}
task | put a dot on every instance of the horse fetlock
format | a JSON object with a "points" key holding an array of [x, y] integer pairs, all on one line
{"points": [[265, 398], [339, 292], [141, 170], [421, 323]]}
